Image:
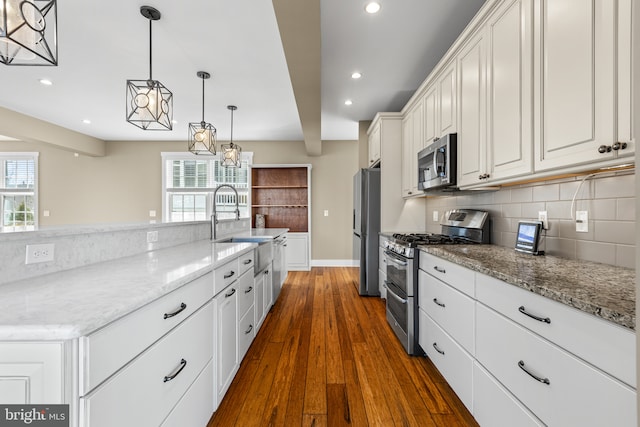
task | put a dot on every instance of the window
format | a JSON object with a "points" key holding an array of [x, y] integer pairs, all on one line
{"points": [[189, 182], [18, 191]]}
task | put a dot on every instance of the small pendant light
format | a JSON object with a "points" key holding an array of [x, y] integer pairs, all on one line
{"points": [[149, 102], [28, 32], [230, 153], [202, 135]]}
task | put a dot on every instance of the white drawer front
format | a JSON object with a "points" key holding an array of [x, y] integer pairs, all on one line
{"points": [[493, 405], [246, 293], [196, 406], [452, 310], [246, 333], [606, 345], [453, 275], [576, 394], [139, 395], [225, 275], [105, 351], [455, 365], [246, 262]]}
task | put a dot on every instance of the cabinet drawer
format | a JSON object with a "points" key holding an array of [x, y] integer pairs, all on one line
{"points": [[452, 310], [246, 261], [225, 275], [246, 332], [455, 364], [568, 392], [141, 394], [135, 332], [453, 275], [246, 293], [196, 406], [606, 345]]}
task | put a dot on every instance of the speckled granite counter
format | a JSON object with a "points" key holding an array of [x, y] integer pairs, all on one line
{"points": [[602, 290], [72, 303]]}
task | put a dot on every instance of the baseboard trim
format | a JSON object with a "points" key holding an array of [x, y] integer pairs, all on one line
{"points": [[335, 263]]}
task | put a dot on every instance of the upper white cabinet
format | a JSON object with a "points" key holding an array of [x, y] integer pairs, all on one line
{"points": [[446, 105], [374, 144], [578, 45], [412, 142]]}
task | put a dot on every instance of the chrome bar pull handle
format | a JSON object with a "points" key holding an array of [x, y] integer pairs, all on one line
{"points": [[168, 378], [522, 310], [178, 311], [535, 377], [437, 349]]}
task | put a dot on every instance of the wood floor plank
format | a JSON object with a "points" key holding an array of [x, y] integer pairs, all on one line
{"points": [[339, 364]]}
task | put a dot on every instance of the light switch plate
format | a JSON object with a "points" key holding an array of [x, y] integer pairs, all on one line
{"points": [[436, 216], [326, 212], [542, 217], [582, 221]]}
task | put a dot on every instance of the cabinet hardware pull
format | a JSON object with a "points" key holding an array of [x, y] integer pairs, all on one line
{"points": [[247, 261], [249, 330], [604, 149], [266, 272], [437, 349], [233, 291], [522, 310], [249, 289], [178, 311], [537, 378], [438, 302], [183, 363], [439, 270], [228, 275], [619, 146]]}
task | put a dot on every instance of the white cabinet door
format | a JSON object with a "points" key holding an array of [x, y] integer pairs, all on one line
{"points": [[374, 145], [472, 135], [576, 62], [510, 77], [196, 406], [412, 142], [268, 290], [407, 149], [31, 373], [446, 107], [258, 284], [297, 250], [226, 338], [431, 129]]}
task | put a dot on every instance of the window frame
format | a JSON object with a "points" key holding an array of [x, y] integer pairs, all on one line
{"points": [[27, 155]]}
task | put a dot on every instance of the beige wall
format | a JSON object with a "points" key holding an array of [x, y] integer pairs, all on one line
{"points": [[126, 183]]}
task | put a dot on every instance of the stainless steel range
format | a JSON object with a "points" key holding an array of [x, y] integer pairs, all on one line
{"points": [[459, 226]]}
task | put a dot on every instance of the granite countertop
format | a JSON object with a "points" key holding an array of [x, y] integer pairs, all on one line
{"points": [[603, 290], [72, 303]]}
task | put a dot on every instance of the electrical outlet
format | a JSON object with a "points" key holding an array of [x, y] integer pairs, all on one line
{"points": [[152, 236], [326, 212], [39, 253], [542, 216], [582, 221], [436, 216]]}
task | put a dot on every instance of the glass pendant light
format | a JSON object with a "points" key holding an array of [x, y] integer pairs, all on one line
{"points": [[202, 135], [149, 102], [28, 32], [230, 153]]}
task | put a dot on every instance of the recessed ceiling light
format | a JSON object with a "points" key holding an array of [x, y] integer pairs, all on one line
{"points": [[46, 82], [356, 75], [348, 102], [372, 7], [86, 121]]}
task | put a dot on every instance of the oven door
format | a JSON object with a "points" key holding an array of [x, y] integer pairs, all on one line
{"points": [[399, 272]]}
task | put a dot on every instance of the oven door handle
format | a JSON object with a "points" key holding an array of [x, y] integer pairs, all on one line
{"points": [[391, 256], [393, 294]]}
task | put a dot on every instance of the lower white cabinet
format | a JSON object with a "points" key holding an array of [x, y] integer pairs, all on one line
{"points": [[226, 339], [144, 391], [559, 388], [195, 407], [264, 291], [246, 333], [31, 372], [298, 251]]}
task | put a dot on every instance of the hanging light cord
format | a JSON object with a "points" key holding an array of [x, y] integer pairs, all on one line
{"points": [[150, 52], [203, 100], [231, 141]]}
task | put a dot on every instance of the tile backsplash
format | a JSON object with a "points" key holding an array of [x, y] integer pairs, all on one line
{"points": [[608, 199]]}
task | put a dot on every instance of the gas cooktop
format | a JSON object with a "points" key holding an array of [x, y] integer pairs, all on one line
{"points": [[414, 239]]}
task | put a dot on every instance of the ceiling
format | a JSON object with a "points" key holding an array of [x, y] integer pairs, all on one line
{"points": [[102, 44]]}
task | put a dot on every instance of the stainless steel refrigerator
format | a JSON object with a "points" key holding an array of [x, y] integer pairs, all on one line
{"points": [[366, 227]]}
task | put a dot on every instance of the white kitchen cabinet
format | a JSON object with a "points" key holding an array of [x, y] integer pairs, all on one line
{"points": [[374, 141], [32, 373], [447, 85], [559, 388], [412, 142], [577, 81], [298, 251], [246, 333], [195, 407], [431, 129], [226, 339]]}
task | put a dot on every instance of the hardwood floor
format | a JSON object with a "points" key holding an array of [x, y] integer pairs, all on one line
{"points": [[327, 357]]}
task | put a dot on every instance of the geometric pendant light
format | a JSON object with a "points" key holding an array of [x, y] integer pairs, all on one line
{"points": [[28, 32], [230, 153], [202, 135], [149, 103]]}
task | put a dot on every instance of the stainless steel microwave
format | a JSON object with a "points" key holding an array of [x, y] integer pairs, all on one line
{"points": [[437, 164]]}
